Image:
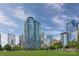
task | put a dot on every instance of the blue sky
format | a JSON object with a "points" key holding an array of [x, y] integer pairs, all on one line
{"points": [[52, 16]]}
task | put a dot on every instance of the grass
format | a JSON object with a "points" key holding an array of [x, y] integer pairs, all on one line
{"points": [[39, 53]]}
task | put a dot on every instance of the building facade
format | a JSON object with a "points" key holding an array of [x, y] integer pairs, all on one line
{"points": [[72, 28], [21, 40], [32, 33], [49, 39], [11, 40], [64, 38], [42, 40]]}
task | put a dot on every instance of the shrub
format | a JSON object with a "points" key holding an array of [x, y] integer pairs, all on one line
{"points": [[8, 47]]}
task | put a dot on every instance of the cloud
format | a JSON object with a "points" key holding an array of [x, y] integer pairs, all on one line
{"points": [[6, 21], [45, 27], [61, 20], [55, 6], [53, 32], [20, 13], [76, 18]]}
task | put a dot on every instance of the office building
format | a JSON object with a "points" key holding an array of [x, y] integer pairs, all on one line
{"points": [[64, 38], [11, 40], [42, 40], [49, 39], [21, 40], [72, 28], [32, 33]]}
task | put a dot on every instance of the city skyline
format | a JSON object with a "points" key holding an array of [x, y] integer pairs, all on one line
{"points": [[53, 17]]}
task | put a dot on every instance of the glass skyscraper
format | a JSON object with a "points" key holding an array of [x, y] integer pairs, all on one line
{"points": [[32, 33], [72, 28]]}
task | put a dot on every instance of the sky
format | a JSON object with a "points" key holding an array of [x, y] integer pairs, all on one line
{"points": [[52, 16]]}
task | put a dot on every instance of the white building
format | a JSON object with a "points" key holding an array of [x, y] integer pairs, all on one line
{"points": [[64, 38], [42, 39]]}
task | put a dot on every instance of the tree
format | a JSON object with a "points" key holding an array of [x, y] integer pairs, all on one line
{"points": [[57, 45], [72, 44], [1, 48], [51, 47], [8, 47], [60, 44], [16, 48], [67, 46]]}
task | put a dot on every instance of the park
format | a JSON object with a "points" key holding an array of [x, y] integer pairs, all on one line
{"points": [[39, 53]]}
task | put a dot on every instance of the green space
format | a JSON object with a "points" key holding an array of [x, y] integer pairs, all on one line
{"points": [[39, 53]]}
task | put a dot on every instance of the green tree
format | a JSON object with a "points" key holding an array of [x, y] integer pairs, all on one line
{"points": [[67, 46], [72, 44], [8, 47], [51, 47], [60, 44], [16, 48], [56, 46], [1, 48]]}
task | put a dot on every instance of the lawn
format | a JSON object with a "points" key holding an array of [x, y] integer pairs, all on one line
{"points": [[39, 53]]}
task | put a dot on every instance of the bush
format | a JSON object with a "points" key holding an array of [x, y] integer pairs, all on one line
{"points": [[67, 46], [77, 45], [8, 47], [57, 45], [16, 48], [51, 47]]}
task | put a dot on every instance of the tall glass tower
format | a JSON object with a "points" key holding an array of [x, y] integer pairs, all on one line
{"points": [[72, 28], [32, 33]]}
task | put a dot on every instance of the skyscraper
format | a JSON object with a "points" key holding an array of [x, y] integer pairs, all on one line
{"points": [[11, 39], [42, 39], [49, 40], [21, 40], [32, 33], [64, 38], [72, 28]]}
